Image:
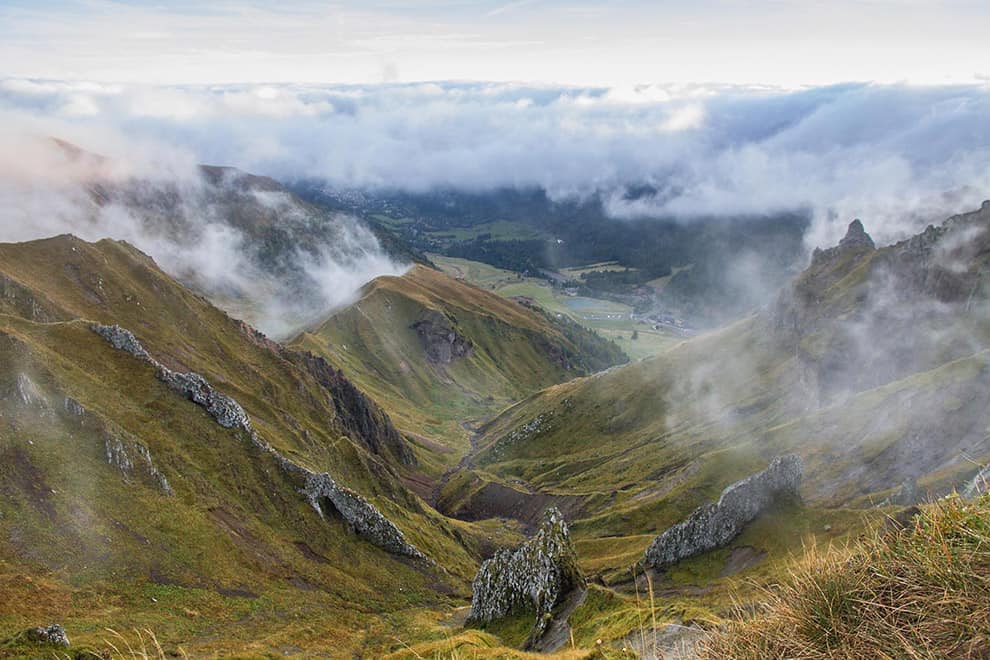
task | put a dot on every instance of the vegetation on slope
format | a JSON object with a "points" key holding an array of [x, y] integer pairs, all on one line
{"points": [[635, 449], [504, 351], [229, 558], [921, 591]]}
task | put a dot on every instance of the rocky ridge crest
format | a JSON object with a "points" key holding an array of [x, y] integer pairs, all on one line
{"points": [[319, 489], [713, 525]]}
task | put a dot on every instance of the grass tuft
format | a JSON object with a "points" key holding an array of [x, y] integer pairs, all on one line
{"points": [[921, 591]]}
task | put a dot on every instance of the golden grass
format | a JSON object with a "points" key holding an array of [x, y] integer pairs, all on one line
{"points": [[919, 592]]}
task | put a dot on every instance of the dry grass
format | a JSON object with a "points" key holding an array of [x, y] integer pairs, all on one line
{"points": [[918, 592], [143, 644]]}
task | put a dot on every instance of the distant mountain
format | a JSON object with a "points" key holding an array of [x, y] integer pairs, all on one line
{"points": [[251, 245]]}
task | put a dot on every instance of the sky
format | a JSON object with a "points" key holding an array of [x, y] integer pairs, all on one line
{"points": [[786, 43], [843, 108]]}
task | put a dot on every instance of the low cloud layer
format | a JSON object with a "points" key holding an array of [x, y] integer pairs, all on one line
{"points": [[255, 250], [894, 155]]}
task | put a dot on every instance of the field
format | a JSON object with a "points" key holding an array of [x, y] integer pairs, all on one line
{"points": [[609, 319], [498, 229]]}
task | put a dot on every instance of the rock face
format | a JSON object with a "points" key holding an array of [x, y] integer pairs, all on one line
{"points": [[535, 577], [364, 518], [860, 317], [714, 525], [133, 459], [320, 490], [855, 240], [440, 339], [361, 418]]}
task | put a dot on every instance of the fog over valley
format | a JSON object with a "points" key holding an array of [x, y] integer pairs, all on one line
{"points": [[507, 329]]}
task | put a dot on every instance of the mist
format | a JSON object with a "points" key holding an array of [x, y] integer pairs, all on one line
{"points": [[215, 235], [898, 156]]}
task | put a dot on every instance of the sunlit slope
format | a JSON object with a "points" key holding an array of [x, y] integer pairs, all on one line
{"points": [[128, 505], [435, 351], [873, 366]]}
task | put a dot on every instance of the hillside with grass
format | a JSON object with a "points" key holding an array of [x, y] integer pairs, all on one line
{"points": [[242, 497], [436, 352], [918, 589], [133, 503], [872, 366]]}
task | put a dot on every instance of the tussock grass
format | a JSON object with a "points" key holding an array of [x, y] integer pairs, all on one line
{"points": [[918, 592], [142, 644]]}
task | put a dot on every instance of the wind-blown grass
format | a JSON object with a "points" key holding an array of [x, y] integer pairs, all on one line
{"points": [[922, 591]]}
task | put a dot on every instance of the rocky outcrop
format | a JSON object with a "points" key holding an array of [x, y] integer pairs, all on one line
{"points": [[123, 340], [714, 525], [536, 577], [133, 459], [860, 317], [440, 339], [227, 412], [320, 490], [360, 417], [855, 240], [53, 635], [364, 518], [28, 393]]}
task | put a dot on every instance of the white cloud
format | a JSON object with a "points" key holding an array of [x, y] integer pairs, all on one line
{"points": [[888, 154]]}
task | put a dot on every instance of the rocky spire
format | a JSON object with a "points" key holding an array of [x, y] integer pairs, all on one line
{"points": [[536, 577], [856, 236]]}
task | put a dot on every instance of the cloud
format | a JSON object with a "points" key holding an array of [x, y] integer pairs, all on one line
{"points": [[894, 155], [259, 254]]}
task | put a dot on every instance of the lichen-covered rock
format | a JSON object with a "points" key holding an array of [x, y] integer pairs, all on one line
{"points": [[122, 339], [53, 635], [360, 514], [320, 489], [713, 525], [535, 577], [225, 410], [440, 339]]}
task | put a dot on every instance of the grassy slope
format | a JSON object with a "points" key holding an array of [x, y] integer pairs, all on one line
{"points": [[220, 564], [374, 343], [920, 592], [644, 444], [595, 314]]}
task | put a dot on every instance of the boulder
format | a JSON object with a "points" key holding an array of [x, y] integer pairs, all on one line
{"points": [[53, 635], [713, 525], [536, 577]]}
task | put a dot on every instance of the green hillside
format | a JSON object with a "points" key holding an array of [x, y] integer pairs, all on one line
{"points": [[126, 505], [436, 352], [283, 504], [873, 366]]}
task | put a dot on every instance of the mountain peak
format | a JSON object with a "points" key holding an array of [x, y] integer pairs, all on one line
{"points": [[856, 236]]}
